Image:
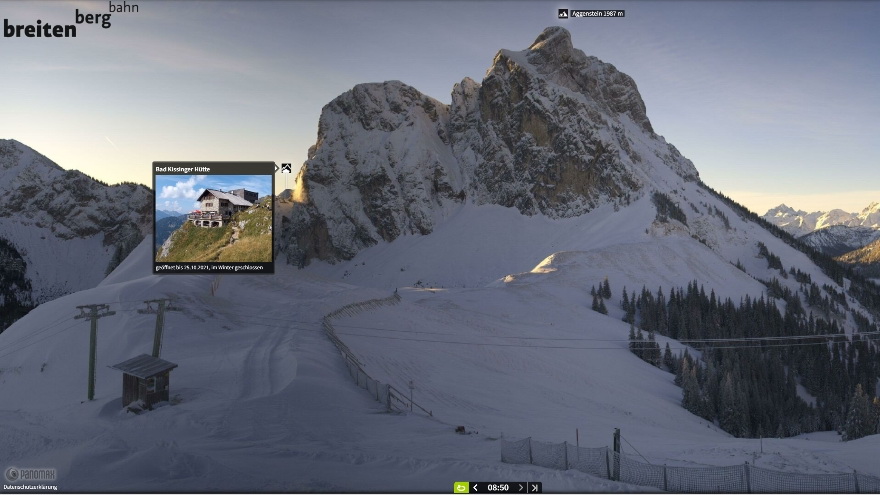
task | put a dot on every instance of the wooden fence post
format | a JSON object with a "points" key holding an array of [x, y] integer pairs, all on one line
{"points": [[746, 476], [665, 483], [616, 454]]}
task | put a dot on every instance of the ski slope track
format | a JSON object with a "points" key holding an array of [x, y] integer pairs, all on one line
{"points": [[261, 399]]}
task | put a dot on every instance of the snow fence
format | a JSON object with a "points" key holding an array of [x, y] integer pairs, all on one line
{"points": [[744, 478], [382, 392], [556, 456]]}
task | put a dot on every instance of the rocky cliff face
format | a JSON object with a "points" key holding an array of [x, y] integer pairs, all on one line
{"points": [[549, 131], [381, 166], [64, 230], [69, 203]]}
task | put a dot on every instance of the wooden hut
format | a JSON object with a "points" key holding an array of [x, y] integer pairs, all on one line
{"points": [[146, 379]]}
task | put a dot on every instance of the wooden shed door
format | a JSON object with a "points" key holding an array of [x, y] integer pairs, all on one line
{"points": [[129, 389]]}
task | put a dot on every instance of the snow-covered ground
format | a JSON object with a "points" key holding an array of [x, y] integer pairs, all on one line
{"points": [[55, 266], [263, 402], [530, 358]]}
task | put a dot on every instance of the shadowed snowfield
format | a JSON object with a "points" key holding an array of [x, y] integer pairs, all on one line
{"points": [[263, 402]]}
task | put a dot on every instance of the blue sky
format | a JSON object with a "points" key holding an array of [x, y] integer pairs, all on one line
{"points": [[180, 192], [773, 101]]}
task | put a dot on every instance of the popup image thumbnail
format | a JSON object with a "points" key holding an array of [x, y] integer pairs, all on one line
{"points": [[213, 218]]}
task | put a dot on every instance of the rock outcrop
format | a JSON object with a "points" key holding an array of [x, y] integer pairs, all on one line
{"points": [[549, 131]]}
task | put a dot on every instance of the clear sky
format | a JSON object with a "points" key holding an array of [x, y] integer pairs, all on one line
{"points": [[773, 101]]}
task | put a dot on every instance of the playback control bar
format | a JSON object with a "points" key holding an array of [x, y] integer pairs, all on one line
{"points": [[489, 487]]}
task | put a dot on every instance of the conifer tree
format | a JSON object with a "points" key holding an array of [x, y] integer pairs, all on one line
{"points": [[606, 289], [632, 339], [668, 359], [679, 368], [875, 407], [602, 308], [732, 416], [858, 420], [640, 344], [690, 388], [652, 352]]}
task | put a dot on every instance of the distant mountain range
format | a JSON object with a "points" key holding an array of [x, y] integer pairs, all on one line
{"points": [[800, 223], [160, 214], [849, 237]]}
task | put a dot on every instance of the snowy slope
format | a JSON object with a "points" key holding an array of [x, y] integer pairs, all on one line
{"points": [[68, 228], [530, 359], [477, 245], [262, 400]]}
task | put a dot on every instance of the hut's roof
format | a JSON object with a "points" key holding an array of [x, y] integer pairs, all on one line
{"points": [[144, 366], [232, 198]]}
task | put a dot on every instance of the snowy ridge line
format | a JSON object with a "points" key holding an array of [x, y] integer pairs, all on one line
{"points": [[741, 478], [382, 392]]}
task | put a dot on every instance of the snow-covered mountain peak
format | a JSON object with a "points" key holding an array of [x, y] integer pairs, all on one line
{"points": [[383, 105], [549, 131], [551, 49], [782, 211], [14, 154], [555, 59], [67, 229], [870, 216], [553, 38], [800, 223]]}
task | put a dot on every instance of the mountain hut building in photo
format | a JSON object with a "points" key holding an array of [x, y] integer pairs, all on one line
{"points": [[217, 207]]}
